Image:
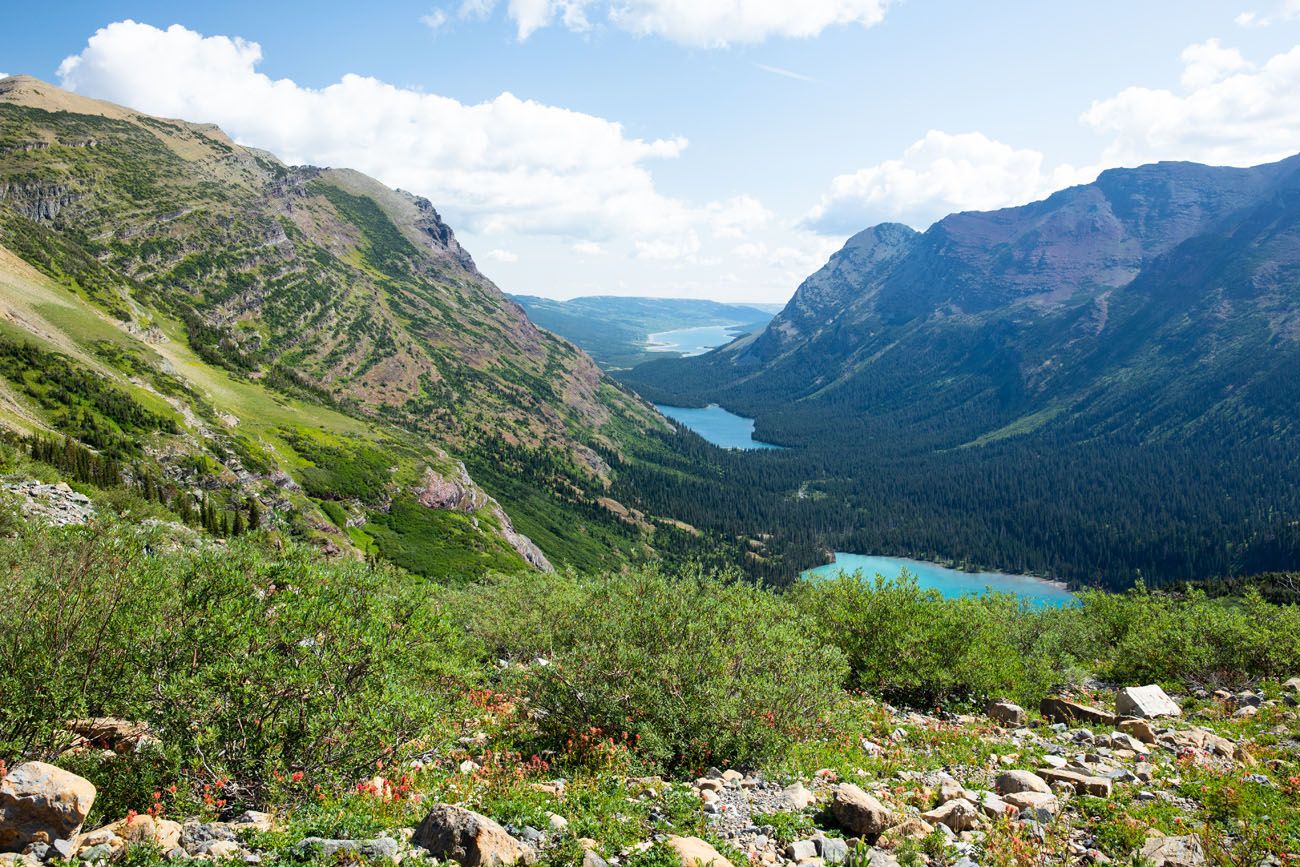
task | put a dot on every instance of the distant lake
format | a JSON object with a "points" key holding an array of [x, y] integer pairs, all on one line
{"points": [[692, 341], [718, 426], [949, 582]]}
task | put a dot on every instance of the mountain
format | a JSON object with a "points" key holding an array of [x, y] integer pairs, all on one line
{"points": [[303, 336], [614, 330], [1103, 380]]}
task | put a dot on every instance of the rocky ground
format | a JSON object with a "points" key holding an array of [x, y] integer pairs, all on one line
{"points": [[1067, 785]]}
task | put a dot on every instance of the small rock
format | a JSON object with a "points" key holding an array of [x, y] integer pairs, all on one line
{"points": [[380, 848], [1007, 714], [1083, 783], [832, 849], [960, 815], [803, 850], [1062, 710], [798, 796]]}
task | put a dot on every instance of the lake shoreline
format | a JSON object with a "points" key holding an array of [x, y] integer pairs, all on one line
{"points": [[948, 581]]}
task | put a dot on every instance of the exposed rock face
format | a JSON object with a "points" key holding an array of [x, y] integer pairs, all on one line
{"points": [[470, 839], [39, 802], [462, 494], [1145, 702], [58, 504], [861, 813], [695, 852]]}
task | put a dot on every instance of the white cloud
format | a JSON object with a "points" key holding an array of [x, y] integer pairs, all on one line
{"points": [[503, 256], [588, 248], [937, 175], [476, 8], [1231, 112], [506, 165], [703, 23], [1252, 19], [1208, 62], [434, 20]]}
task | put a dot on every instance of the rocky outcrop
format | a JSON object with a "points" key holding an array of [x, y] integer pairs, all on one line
{"points": [[462, 494], [40, 803], [468, 838], [56, 504]]}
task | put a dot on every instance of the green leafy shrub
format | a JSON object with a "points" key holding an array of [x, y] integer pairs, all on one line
{"points": [[912, 645], [686, 671], [246, 660]]}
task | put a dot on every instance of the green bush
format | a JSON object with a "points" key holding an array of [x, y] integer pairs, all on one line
{"points": [[688, 670], [914, 646], [246, 660]]}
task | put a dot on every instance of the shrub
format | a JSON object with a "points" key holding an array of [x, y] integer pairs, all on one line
{"points": [[688, 670], [914, 646], [244, 659]]}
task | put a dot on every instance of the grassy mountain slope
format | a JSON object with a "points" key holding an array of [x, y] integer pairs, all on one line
{"points": [[614, 329], [311, 337]]}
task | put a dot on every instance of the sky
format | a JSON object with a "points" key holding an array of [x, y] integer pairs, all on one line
{"points": [[716, 149]]}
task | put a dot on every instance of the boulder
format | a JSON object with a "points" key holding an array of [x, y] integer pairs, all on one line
{"points": [[1062, 710], [1010, 782], [1124, 741], [467, 837], [695, 852], [1084, 784], [959, 815], [1292, 685], [219, 850], [991, 805], [1145, 702], [1007, 714], [1173, 852], [39, 799], [860, 813]]}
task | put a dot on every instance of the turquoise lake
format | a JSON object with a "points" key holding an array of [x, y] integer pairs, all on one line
{"points": [[715, 424], [949, 582], [692, 341]]}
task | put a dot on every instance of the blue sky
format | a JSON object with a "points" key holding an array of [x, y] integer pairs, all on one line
{"points": [[707, 148]]}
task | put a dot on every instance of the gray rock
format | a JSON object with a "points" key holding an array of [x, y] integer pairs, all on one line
{"points": [[1146, 702], [803, 850], [1173, 852], [1007, 714], [860, 813], [832, 850], [1009, 782]]}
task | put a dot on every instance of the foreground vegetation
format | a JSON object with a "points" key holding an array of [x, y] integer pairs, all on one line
{"points": [[275, 679]]}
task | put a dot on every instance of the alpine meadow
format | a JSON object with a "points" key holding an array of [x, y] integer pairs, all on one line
{"points": [[628, 433]]}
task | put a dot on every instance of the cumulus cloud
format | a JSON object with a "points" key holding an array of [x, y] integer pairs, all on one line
{"points": [[505, 165], [701, 23], [588, 248], [937, 175], [1230, 112], [503, 256]]}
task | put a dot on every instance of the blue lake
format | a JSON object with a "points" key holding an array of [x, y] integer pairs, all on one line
{"points": [[715, 424], [949, 582], [692, 341]]}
